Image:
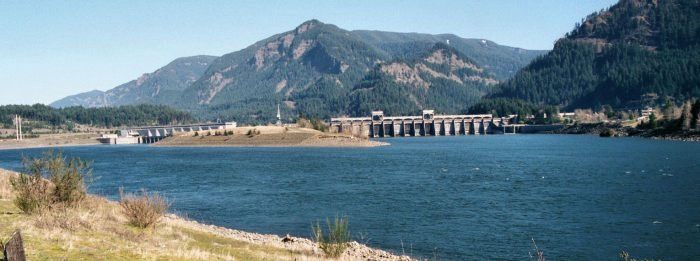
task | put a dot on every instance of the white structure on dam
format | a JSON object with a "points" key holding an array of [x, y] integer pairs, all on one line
{"points": [[155, 133], [427, 124]]}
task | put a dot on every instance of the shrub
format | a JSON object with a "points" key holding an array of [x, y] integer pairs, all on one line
{"points": [[143, 210], [252, 133], [319, 125], [314, 123], [304, 123], [196, 133], [33, 192], [338, 237], [51, 179]]}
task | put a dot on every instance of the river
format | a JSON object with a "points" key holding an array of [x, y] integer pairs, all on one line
{"points": [[454, 198]]}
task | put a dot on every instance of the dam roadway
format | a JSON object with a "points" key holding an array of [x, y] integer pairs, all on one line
{"points": [[427, 124]]}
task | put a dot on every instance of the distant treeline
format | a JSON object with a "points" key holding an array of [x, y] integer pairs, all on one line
{"points": [[130, 115]]}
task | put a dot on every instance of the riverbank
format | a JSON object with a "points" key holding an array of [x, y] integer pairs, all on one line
{"points": [[96, 229], [52, 140], [267, 136], [619, 130]]}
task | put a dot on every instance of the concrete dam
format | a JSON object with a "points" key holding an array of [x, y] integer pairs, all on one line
{"points": [[154, 134], [427, 124]]}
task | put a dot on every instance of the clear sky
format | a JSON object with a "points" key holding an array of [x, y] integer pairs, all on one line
{"points": [[51, 49]]}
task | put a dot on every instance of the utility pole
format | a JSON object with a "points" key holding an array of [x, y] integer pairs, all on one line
{"points": [[16, 123], [18, 127]]}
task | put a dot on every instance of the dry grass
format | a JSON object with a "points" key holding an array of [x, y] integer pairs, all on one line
{"points": [[143, 210], [5, 187], [95, 228]]}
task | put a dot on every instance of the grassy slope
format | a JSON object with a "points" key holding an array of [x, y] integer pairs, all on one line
{"points": [[97, 229]]}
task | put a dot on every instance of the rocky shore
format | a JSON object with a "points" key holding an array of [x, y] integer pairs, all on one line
{"points": [[618, 130]]}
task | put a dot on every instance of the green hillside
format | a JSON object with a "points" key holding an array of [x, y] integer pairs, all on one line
{"points": [[631, 54]]}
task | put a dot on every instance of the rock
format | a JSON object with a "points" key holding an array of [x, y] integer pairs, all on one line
{"points": [[14, 248], [608, 133]]}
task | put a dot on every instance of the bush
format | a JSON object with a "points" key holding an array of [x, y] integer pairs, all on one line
{"points": [[252, 133], [338, 237], [51, 179], [33, 192], [196, 134], [315, 124], [143, 210], [319, 125]]}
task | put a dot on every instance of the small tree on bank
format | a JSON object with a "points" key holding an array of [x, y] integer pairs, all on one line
{"points": [[50, 179], [338, 237]]}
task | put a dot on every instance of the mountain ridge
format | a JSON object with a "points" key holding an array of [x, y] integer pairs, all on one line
{"points": [[311, 69], [156, 87]]}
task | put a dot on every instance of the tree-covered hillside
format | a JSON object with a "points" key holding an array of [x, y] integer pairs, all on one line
{"points": [[138, 115], [246, 85], [442, 79], [634, 49], [502, 61], [321, 70]]}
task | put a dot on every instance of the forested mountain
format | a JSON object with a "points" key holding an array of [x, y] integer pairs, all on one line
{"points": [[442, 79], [314, 69], [502, 61], [632, 52], [160, 87], [247, 84]]}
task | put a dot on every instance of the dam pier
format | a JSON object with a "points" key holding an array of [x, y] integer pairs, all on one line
{"points": [[427, 124]]}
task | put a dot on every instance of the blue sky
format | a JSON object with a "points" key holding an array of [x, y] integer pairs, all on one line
{"points": [[51, 49]]}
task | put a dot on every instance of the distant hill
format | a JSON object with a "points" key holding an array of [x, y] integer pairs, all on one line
{"points": [[625, 56], [159, 87], [320, 70]]}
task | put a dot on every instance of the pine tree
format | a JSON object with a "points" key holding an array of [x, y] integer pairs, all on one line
{"points": [[695, 111], [686, 117]]}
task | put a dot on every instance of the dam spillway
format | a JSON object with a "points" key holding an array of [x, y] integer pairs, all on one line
{"points": [[427, 124]]}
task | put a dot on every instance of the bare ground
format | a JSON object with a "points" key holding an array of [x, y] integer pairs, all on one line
{"points": [[52, 140], [267, 136]]}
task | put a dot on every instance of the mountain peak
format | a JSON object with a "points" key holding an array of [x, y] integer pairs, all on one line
{"points": [[305, 26]]}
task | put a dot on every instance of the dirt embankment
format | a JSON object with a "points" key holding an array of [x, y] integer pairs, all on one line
{"points": [[266, 136], [52, 140]]}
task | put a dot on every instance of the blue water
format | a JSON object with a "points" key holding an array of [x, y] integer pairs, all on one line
{"points": [[454, 198]]}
